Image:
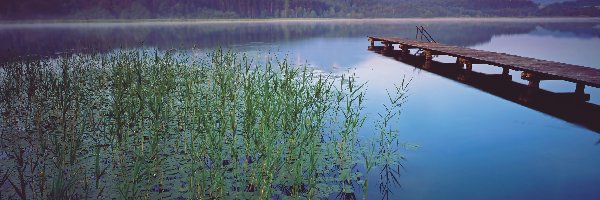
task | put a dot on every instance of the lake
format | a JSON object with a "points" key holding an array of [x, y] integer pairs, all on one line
{"points": [[472, 144]]}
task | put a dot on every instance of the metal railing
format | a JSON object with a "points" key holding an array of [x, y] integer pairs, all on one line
{"points": [[423, 34]]}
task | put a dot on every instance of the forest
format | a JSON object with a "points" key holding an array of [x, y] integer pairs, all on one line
{"points": [[178, 9]]}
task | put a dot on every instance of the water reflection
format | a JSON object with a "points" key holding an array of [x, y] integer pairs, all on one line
{"points": [[579, 30], [565, 106], [50, 39]]}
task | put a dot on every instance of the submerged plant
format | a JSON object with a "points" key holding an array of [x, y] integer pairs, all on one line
{"points": [[146, 123]]}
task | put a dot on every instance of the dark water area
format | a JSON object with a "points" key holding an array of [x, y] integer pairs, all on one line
{"points": [[476, 140]]}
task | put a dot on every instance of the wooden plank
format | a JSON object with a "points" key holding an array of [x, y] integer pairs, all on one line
{"points": [[551, 69]]}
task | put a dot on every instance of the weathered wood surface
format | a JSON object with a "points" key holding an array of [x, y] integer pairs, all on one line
{"points": [[542, 68]]}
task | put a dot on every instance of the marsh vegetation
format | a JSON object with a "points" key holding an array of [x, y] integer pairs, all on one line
{"points": [[164, 124]]}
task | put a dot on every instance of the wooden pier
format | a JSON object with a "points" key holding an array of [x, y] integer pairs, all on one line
{"points": [[533, 70]]}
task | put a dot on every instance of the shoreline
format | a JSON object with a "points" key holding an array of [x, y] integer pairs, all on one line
{"points": [[288, 20]]}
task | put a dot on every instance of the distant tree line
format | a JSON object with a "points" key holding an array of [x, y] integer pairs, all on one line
{"points": [[155, 9], [589, 8]]}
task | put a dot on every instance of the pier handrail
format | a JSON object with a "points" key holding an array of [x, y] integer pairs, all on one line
{"points": [[424, 33]]}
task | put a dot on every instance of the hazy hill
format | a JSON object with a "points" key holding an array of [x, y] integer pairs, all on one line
{"points": [[155, 9], [573, 8]]}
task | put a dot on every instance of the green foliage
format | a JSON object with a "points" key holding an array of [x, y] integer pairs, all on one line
{"points": [[150, 124]]}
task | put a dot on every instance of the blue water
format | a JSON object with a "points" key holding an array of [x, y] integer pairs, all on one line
{"points": [[472, 144]]}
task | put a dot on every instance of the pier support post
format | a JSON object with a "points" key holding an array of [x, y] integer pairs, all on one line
{"points": [[388, 47], [534, 80], [580, 89], [505, 71], [465, 63], [427, 64], [469, 66], [428, 55], [534, 83], [372, 43], [404, 49], [580, 92]]}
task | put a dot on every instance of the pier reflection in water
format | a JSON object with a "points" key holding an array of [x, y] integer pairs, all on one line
{"points": [[565, 106]]}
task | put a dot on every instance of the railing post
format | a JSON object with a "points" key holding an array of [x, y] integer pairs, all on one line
{"points": [[417, 34]]}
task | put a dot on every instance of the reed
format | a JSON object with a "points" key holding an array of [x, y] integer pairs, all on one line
{"points": [[161, 124]]}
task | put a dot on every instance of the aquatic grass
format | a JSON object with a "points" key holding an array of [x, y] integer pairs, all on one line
{"points": [[161, 124], [388, 141]]}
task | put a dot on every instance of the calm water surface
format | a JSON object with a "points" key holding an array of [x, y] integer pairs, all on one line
{"points": [[473, 145]]}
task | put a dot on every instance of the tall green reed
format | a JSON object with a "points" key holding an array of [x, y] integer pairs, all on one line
{"points": [[161, 124]]}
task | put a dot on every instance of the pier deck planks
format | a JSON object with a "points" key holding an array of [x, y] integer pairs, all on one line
{"points": [[543, 68]]}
